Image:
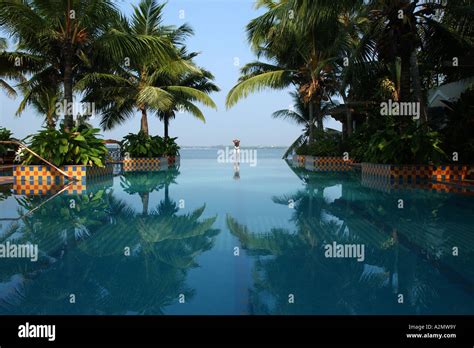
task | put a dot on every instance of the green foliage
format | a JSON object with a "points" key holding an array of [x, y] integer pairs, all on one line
{"points": [[412, 144], [5, 135], [145, 146], [171, 148], [325, 144], [62, 148]]}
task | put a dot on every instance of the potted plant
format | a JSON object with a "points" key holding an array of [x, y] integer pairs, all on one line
{"points": [[78, 153], [143, 152], [325, 153]]}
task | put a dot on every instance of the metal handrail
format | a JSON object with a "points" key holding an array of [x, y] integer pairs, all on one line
{"points": [[23, 146]]}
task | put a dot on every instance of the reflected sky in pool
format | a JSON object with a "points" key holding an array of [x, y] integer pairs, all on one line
{"points": [[165, 243]]}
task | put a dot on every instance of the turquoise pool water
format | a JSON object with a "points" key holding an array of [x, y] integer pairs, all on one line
{"points": [[203, 240]]}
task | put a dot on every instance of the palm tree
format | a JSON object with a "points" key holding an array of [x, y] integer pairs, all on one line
{"points": [[147, 84], [198, 80], [403, 28], [300, 115], [303, 41], [58, 40], [44, 99], [7, 70]]}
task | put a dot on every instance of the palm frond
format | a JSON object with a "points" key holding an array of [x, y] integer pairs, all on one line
{"points": [[275, 79], [155, 97]]}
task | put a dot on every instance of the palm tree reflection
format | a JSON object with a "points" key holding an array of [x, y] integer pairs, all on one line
{"points": [[293, 262], [128, 262]]}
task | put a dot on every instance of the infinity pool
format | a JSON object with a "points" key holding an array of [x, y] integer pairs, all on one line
{"points": [[203, 239]]}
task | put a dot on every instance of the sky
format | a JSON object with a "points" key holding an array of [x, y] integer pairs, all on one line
{"points": [[219, 27]]}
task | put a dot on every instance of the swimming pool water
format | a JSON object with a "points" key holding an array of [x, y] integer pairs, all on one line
{"points": [[202, 240]]}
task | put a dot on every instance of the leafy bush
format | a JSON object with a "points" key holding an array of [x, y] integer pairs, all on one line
{"points": [[171, 148], [412, 144], [144, 146], [62, 148], [326, 143]]}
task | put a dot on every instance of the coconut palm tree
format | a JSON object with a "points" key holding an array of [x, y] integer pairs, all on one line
{"points": [[7, 70], [44, 99], [299, 114], [302, 40], [147, 84], [61, 39], [401, 29], [198, 80]]}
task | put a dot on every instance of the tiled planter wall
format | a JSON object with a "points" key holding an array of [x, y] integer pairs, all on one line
{"points": [[323, 164], [400, 174], [381, 184], [43, 179], [148, 164]]}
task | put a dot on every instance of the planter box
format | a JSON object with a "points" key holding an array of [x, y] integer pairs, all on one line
{"points": [[43, 179], [148, 164], [48, 175], [323, 164], [413, 174]]}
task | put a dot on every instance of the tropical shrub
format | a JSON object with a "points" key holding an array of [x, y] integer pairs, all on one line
{"points": [[326, 144], [61, 147], [170, 147], [413, 145], [142, 145]]}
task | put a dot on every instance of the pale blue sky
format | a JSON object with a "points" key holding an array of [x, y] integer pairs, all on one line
{"points": [[219, 27]]}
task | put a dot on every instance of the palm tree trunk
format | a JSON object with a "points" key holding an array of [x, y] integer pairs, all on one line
{"points": [[67, 76], [415, 77], [405, 84], [319, 117], [144, 122], [349, 129], [50, 121], [167, 194], [145, 196], [349, 121], [166, 122], [67, 80], [311, 122]]}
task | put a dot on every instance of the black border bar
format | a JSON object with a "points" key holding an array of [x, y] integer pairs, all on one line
{"points": [[243, 330]]}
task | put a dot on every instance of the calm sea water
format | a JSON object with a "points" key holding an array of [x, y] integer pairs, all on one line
{"points": [[204, 239]]}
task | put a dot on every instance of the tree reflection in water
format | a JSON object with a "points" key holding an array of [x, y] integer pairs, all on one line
{"points": [[123, 261], [290, 262]]}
